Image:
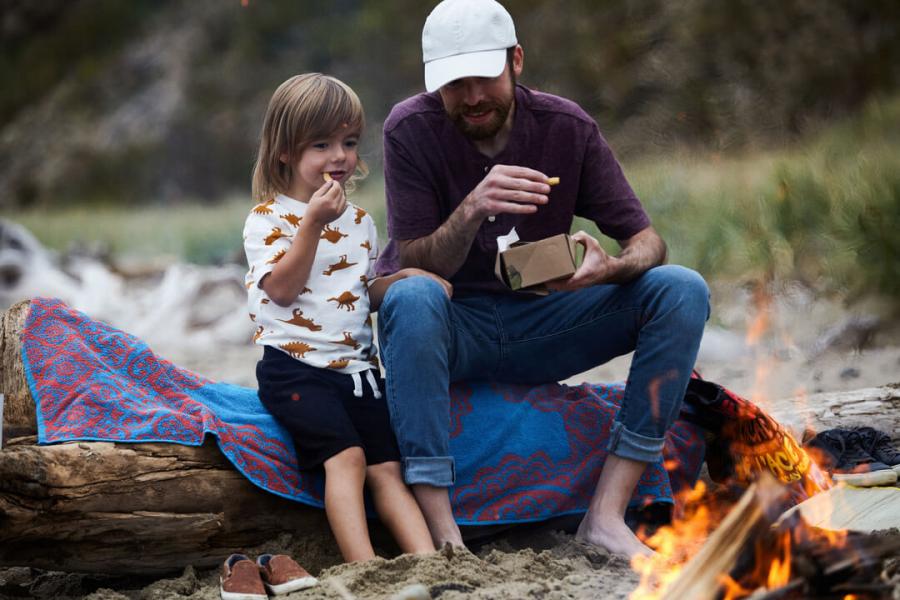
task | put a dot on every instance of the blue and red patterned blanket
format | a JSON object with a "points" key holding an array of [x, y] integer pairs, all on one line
{"points": [[523, 453]]}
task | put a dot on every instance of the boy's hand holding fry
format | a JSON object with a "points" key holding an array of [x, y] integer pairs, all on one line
{"points": [[326, 204]]}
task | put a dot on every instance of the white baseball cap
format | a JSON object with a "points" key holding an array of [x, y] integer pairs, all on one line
{"points": [[465, 38]]}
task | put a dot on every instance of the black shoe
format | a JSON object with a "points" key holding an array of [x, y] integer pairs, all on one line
{"points": [[878, 445], [842, 451]]}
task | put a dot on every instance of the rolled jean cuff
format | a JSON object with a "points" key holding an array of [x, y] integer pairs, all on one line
{"points": [[439, 471], [634, 446]]}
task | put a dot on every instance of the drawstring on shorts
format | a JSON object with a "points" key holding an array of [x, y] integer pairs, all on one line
{"points": [[374, 385], [358, 388]]}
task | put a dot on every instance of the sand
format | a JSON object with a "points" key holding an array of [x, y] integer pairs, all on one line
{"points": [[562, 569]]}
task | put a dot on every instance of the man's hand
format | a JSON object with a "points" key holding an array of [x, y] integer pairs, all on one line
{"points": [[641, 252], [596, 267], [506, 189], [326, 204]]}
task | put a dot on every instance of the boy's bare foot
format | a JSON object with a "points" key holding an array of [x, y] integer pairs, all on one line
{"points": [[614, 536]]}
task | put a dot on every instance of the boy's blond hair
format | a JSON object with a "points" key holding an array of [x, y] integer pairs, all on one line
{"points": [[303, 109]]}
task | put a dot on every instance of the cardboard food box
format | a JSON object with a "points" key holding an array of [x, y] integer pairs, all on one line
{"points": [[527, 266]]}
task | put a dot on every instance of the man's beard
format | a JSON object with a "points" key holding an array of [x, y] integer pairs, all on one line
{"points": [[482, 131], [487, 130]]}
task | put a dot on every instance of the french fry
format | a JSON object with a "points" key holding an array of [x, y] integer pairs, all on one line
{"points": [[326, 176], [553, 181]]}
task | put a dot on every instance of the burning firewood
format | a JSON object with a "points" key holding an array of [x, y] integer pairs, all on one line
{"points": [[747, 557], [703, 576]]}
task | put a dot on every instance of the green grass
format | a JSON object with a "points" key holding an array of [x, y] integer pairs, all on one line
{"points": [[197, 233], [193, 232], [826, 212]]}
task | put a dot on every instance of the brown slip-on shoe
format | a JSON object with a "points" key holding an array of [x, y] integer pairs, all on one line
{"points": [[282, 575], [240, 579]]}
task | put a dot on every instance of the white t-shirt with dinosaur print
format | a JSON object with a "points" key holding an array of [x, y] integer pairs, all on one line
{"points": [[328, 325]]}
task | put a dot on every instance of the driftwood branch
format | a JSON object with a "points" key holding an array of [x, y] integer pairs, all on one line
{"points": [[877, 407], [19, 415], [135, 508]]}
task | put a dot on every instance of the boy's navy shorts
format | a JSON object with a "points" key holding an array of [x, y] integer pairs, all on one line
{"points": [[319, 410]]}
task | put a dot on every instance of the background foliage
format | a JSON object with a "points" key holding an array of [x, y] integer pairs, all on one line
{"points": [[760, 134]]}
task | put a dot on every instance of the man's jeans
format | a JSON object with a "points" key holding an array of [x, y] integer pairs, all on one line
{"points": [[427, 341]]}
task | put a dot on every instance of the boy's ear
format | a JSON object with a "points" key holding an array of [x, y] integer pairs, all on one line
{"points": [[284, 157]]}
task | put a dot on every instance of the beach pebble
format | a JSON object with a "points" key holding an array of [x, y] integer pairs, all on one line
{"points": [[850, 373], [416, 591]]}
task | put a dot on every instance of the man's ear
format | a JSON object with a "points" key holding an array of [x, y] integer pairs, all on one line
{"points": [[518, 60]]}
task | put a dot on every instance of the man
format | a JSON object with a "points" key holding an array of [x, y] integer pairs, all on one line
{"points": [[465, 163]]}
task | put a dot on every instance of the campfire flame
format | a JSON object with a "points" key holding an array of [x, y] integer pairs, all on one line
{"points": [[675, 545], [780, 567], [760, 324], [732, 590], [698, 512]]}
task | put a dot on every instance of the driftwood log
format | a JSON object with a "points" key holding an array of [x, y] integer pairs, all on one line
{"points": [[19, 415], [154, 508], [135, 508]]}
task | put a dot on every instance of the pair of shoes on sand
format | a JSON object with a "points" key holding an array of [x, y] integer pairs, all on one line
{"points": [[243, 579], [857, 450]]}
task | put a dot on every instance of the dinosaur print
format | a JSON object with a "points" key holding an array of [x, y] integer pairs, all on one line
{"points": [[258, 334], [367, 245], [297, 349], [339, 363], [332, 235], [360, 213], [300, 321], [364, 279], [348, 341], [345, 300], [264, 301], [253, 317], [278, 256], [275, 234], [306, 290], [264, 207], [341, 264], [292, 219]]}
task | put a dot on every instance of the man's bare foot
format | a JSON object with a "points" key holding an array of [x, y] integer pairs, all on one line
{"points": [[614, 536], [435, 505]]}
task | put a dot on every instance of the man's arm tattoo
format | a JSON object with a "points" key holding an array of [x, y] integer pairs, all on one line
{"points": [[445, 250]]}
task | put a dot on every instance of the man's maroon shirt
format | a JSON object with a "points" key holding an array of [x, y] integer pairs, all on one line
{"points": [[430, 167]]}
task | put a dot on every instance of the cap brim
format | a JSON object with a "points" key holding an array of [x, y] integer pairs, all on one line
{"points": [[487, 63]]}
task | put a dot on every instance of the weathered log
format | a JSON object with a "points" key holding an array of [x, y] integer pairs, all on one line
{"points": [[19, 415], [877, 407], [137, 508]]}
